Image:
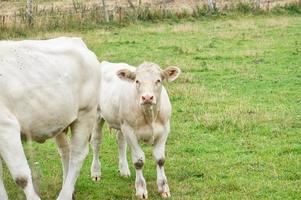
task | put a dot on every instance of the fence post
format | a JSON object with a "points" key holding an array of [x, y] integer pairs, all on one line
{"points": [[105, 11], [119, 14], [258, 4], [75, 5], [2, 21], [212, 4], [268, 5], [29, 13], [164, 4], [131, 4]]}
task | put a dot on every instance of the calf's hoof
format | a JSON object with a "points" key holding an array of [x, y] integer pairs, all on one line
{"points": [[141, 195], [165, 194], [141, 191], [164, 189], [95, 171], [96, 178]]}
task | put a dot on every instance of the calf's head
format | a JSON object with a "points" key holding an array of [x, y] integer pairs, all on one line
{"points": [[148, 79]]}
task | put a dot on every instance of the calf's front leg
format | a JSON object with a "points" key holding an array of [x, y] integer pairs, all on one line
{"points": [[159, 155], [138, 159]]}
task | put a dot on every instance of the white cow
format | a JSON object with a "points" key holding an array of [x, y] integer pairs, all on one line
{"points": [[134, 101], [46, 86]]}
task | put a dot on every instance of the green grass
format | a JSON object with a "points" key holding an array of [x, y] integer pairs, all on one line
{"points": [[236, 125]]}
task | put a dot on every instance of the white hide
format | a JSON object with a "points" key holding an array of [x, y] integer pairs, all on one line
{"points": [[47, 86], [122, 108]]}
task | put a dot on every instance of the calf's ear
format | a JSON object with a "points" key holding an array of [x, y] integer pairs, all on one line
{"points": [[171, 73], [127, 75]]}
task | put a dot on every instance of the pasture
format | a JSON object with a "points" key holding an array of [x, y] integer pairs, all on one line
{"points": [[236, 125]]}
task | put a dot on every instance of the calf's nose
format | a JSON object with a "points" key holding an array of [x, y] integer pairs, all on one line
{"points": [[147, 98]]}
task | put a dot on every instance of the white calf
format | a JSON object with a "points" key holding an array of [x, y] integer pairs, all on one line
{"points": [[134, 101]]}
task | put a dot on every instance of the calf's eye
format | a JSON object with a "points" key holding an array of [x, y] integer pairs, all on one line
{"points": [[158, 81], [137, 82]]}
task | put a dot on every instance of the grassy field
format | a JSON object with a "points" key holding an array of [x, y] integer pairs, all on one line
{"points": [[236, 126]]}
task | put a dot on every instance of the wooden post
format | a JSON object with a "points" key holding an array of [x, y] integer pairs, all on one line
{"points": [[268, 6], [119, 14], [131, 4], [105, 11], [29, 13], [164, 4], [3, 21], [211, 4], [258, 4], [75, 5]]}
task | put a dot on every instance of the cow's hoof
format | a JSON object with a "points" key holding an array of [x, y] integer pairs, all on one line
{"points": [[96, 178], [125, 173], [124, 169], [165, 194]]}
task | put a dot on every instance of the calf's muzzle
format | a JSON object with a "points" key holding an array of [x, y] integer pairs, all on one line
{"points": [[148, 99]]}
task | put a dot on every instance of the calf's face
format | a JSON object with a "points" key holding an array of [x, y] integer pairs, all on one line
{"points": [[148, 79]]}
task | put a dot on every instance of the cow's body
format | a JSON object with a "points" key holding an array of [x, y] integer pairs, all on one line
{"points": [[46, 86], [135, 119]]}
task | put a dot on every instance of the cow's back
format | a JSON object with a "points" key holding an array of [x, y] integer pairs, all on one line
{"points": [[45, 83]]}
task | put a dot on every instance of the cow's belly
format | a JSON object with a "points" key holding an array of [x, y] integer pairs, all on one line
{"points": [[42, 126], [41, 135], [41, 129], [44, 111]]}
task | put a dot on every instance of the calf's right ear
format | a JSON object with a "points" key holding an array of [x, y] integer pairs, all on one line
{"points": [[126, 75]]}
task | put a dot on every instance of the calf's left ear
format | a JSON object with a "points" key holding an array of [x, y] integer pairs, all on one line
{"points": [[171, 73]]}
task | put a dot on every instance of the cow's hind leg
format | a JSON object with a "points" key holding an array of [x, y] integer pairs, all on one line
{"points": [[3, 194], [96, 140], [63, 149], [123, 163], [81, 131], [11, 151]]}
